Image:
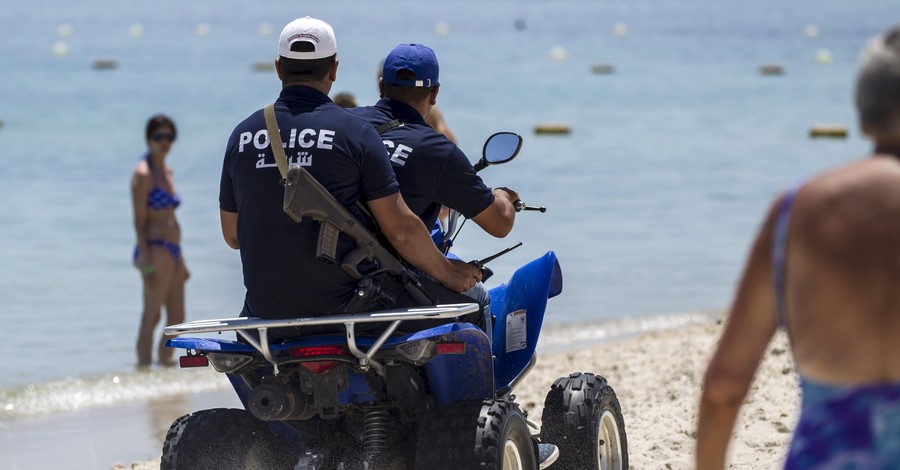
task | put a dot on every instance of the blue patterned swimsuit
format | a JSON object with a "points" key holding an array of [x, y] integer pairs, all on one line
{"points": [[159, 199], [841, 426]]}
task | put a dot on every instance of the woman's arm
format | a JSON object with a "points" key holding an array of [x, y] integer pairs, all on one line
{"points": [[749, 329], [140, 188]]}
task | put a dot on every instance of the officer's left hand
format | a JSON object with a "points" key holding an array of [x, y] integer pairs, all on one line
{"points": [[462, 276]]}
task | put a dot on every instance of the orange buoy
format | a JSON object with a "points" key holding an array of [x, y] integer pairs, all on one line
{"points": [[603, 69], [264, 66], [830, 131], [105, 64], [550, 128], [771, 70]]}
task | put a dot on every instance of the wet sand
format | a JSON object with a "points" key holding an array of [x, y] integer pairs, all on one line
{"points": [[99, 437]]}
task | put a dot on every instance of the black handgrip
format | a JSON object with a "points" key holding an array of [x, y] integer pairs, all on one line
{"points": [[486, 272], [326, 247], [521, 206]]}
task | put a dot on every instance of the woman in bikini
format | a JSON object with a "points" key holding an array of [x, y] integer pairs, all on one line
{"points": [[825, 267], [157, 255]]}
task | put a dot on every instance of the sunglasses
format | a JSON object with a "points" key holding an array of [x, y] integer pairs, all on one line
{"points": [[161, 136]]}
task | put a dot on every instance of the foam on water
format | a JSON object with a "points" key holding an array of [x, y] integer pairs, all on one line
{"points": [[557, 338], [111, 389]]}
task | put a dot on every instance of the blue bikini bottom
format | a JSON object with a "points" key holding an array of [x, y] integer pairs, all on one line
{"points": [[174, 249]]}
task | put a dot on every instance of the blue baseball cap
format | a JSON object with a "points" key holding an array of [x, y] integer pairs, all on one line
{"points": [[417, 59]]}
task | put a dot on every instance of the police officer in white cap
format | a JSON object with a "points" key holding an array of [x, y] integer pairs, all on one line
{"points": [[283, 276]]}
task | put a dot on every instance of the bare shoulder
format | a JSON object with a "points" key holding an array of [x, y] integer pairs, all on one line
{"points": [[861, 181], [850, 208], [142, 168], [141, 175], [436, 114]]}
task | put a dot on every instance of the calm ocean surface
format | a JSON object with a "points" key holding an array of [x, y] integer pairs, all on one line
{"points": [[653, 198]]}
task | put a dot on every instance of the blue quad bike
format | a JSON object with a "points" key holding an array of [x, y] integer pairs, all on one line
{"points": [[436, 399]]}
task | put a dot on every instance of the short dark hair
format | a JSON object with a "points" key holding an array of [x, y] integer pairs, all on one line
{"points": [[297, 70], [160, 120], [345, 100], [407, 94]]}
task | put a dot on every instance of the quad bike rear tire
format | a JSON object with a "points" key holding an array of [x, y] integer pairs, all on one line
{"points": [[583, 418], [489, 435], [223, 438]]}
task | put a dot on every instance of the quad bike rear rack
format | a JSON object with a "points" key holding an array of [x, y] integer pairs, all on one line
{"points": [[366, 358]]}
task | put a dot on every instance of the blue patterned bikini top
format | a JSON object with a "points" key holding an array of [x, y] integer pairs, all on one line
{"points": [[160, 199]]}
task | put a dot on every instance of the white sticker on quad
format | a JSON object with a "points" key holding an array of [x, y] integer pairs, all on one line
{"points": [[516, 331]]}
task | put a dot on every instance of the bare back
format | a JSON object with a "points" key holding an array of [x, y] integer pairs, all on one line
{"points": [[843, 274]]}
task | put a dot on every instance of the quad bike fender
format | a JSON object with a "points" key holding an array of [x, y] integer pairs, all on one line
{"points": [[519, 309], [469, 376], [209, 345]]}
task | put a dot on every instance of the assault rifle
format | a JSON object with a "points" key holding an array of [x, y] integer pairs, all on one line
{"points": [[304, 196]]}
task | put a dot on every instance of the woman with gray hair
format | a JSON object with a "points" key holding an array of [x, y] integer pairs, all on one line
{"points": [[825, 267]]}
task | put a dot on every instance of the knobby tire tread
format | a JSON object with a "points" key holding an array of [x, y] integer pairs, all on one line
{"points": [[223, 438], [572, 407], [468, 435]]}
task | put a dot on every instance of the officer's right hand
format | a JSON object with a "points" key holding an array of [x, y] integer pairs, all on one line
{"points": [[461, 276], [513, 195]]}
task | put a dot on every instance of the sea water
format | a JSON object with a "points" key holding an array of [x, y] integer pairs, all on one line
{"points": [[653, 199]]}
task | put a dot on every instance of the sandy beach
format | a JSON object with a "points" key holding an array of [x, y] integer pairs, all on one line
{"points": [[657, 378]]}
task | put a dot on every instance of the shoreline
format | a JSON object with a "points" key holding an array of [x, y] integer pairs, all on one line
{"points": [[656, 376]]}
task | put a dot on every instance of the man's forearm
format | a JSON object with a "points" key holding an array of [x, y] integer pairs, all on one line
{"points": [[499, 217], [415, 245], [229, 228]]}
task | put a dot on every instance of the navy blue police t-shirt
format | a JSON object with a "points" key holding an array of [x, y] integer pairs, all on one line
{"points": [[432, 170], [283, 277]]}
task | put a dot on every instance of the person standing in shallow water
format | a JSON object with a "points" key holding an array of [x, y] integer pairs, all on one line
{"points": [[826, 268], [157, 254]]}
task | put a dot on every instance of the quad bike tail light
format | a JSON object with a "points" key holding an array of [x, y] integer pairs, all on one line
{"points": [[227, 363], [450, 348], [319, 367], [318, 351], [193, 360], [418, 352], [421, 351]]}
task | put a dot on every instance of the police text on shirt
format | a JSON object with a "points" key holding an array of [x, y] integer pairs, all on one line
{"points": [[399, 154], [306, 138]]}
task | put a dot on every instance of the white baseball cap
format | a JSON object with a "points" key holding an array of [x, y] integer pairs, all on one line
{"points": [[306, 39]]}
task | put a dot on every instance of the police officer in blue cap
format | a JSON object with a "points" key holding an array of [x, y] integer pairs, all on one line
{"points": [[282, 274], [432, 170]]}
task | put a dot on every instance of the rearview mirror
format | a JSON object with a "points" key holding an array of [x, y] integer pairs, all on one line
{"points": [[499, 148]]}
